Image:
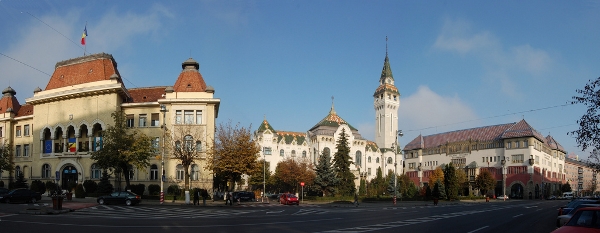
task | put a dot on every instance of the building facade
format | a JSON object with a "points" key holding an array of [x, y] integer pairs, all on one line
{"points": [[54, 133], [524, 163], [581, 177]]}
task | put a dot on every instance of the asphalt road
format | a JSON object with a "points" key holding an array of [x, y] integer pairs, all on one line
{"points": [[460, 217]]}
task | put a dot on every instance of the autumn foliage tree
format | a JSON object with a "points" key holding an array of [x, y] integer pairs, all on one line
{"points": [[290, 172], [123, 148], [232, 153], [436, 175], [6, 163], [485, 181]]}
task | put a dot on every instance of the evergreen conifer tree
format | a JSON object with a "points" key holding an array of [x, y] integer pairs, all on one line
{"points": [[104, 186], [341, 166], [326, 179]]}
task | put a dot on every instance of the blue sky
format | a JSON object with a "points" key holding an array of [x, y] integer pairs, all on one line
{"points": [[457, 64]]}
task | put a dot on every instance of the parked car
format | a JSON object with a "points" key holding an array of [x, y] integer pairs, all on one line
{"points": [[4, 191], [20, 195], [585, 220], [288, 199], [574, 203], [562, 219], [244, 196], [502, 198], [120, 197]]}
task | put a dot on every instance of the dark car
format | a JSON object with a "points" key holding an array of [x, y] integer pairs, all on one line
{"points": [[574, 203], [120, 197], [20, 195], [3, 191], [244, 196], [289, 199]]}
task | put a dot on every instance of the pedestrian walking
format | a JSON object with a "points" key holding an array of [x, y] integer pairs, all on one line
{"points": [[196, 196], [204, 196], [355, 199], [229, 199]]}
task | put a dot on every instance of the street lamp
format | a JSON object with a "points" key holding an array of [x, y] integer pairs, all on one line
{"points": [[504, 178], [264, 178], [164, 111], [398, 133]]}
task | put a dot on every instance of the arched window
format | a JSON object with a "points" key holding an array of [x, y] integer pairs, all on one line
{"points": [[377, 160], [198, 146], [358, 160], [369, 159], [303, 154], [96, 171], [46, 171], [281, 153], [131, 173], [18, 171], [189, 140], [326, 151], [153, 172], [293, 153], [179, 172], [195, 172], [389, 160]]}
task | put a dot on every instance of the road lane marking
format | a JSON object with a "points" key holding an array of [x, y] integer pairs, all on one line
{"points": [[517, 215], [478, 229]]}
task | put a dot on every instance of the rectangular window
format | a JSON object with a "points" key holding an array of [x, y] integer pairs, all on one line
{"points": [[26, 130], [26, 150], [18, 131], [188, 117], [18, 151], [143, 119], [154, 119], [369, 171], [267, 150], [199, 117], [130, 121], [155, 143], [178, 116], [517, 158]]}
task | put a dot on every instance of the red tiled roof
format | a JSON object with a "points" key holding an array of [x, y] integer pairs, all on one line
{"points": [[190, 79], [9, 102], [553, 144], [481, 134], [25, 110], [146, 94], [91, 68]]}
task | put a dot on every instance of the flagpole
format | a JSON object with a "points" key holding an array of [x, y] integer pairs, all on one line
{"points": [[85, 45]]}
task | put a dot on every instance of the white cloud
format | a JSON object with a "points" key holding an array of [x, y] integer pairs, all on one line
{"points": [[535, 61], [457, 36], [41, 47], [426, 110]]}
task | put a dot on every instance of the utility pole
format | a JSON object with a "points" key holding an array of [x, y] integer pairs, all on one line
{"points": [[163, 109]]}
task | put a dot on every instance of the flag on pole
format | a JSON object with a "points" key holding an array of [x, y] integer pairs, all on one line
{"points": [[84, 35]]}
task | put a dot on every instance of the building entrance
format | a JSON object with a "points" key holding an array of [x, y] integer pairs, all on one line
{"points": [[69, 175]]}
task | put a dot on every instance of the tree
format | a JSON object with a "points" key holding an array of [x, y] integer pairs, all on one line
{"points": [[406, 187], [377, 183], [566, 187], [588, 136], [123, 148], [256, 178], [485, 181], [438, 190], [341, 166], [6, 163], [104, 186], [393, 186], [461, 177], [451, 181], [185, 144], [436, 175], [291, 172], [325, 178], [233, 153]]}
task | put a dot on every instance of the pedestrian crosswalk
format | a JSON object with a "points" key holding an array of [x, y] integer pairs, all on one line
{"points": [[128, 212]]}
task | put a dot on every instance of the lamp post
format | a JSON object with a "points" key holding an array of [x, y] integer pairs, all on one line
{"points": [[504, 178], [398, 133], [264, 178], [164, 111]]}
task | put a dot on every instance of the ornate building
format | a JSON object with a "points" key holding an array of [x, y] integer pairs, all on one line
{"points": [[53, 134]]}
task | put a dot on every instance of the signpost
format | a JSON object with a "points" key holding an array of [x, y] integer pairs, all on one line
{"points": [[302, 184]]}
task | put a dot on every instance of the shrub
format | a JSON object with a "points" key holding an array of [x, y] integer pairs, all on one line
{"points": [[138, 188], [50, 186], [90, 186], [104, 186], [153, 189], [79, 191], [174, 190], [38, 186]]}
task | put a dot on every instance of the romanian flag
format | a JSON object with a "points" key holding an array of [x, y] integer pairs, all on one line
{"points": [[72, 145], [84, 35]]}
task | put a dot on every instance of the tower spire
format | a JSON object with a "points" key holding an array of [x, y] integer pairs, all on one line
{"points": [[332, 111], [386, 54]]}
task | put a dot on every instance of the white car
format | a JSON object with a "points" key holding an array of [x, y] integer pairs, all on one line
{"points": [[502, 198]]}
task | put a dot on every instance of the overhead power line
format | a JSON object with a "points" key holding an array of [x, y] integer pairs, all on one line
{"points": [[54, 30], [25, 64]]}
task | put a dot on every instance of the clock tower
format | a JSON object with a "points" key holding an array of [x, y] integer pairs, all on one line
{"points": [[386, 103]]}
